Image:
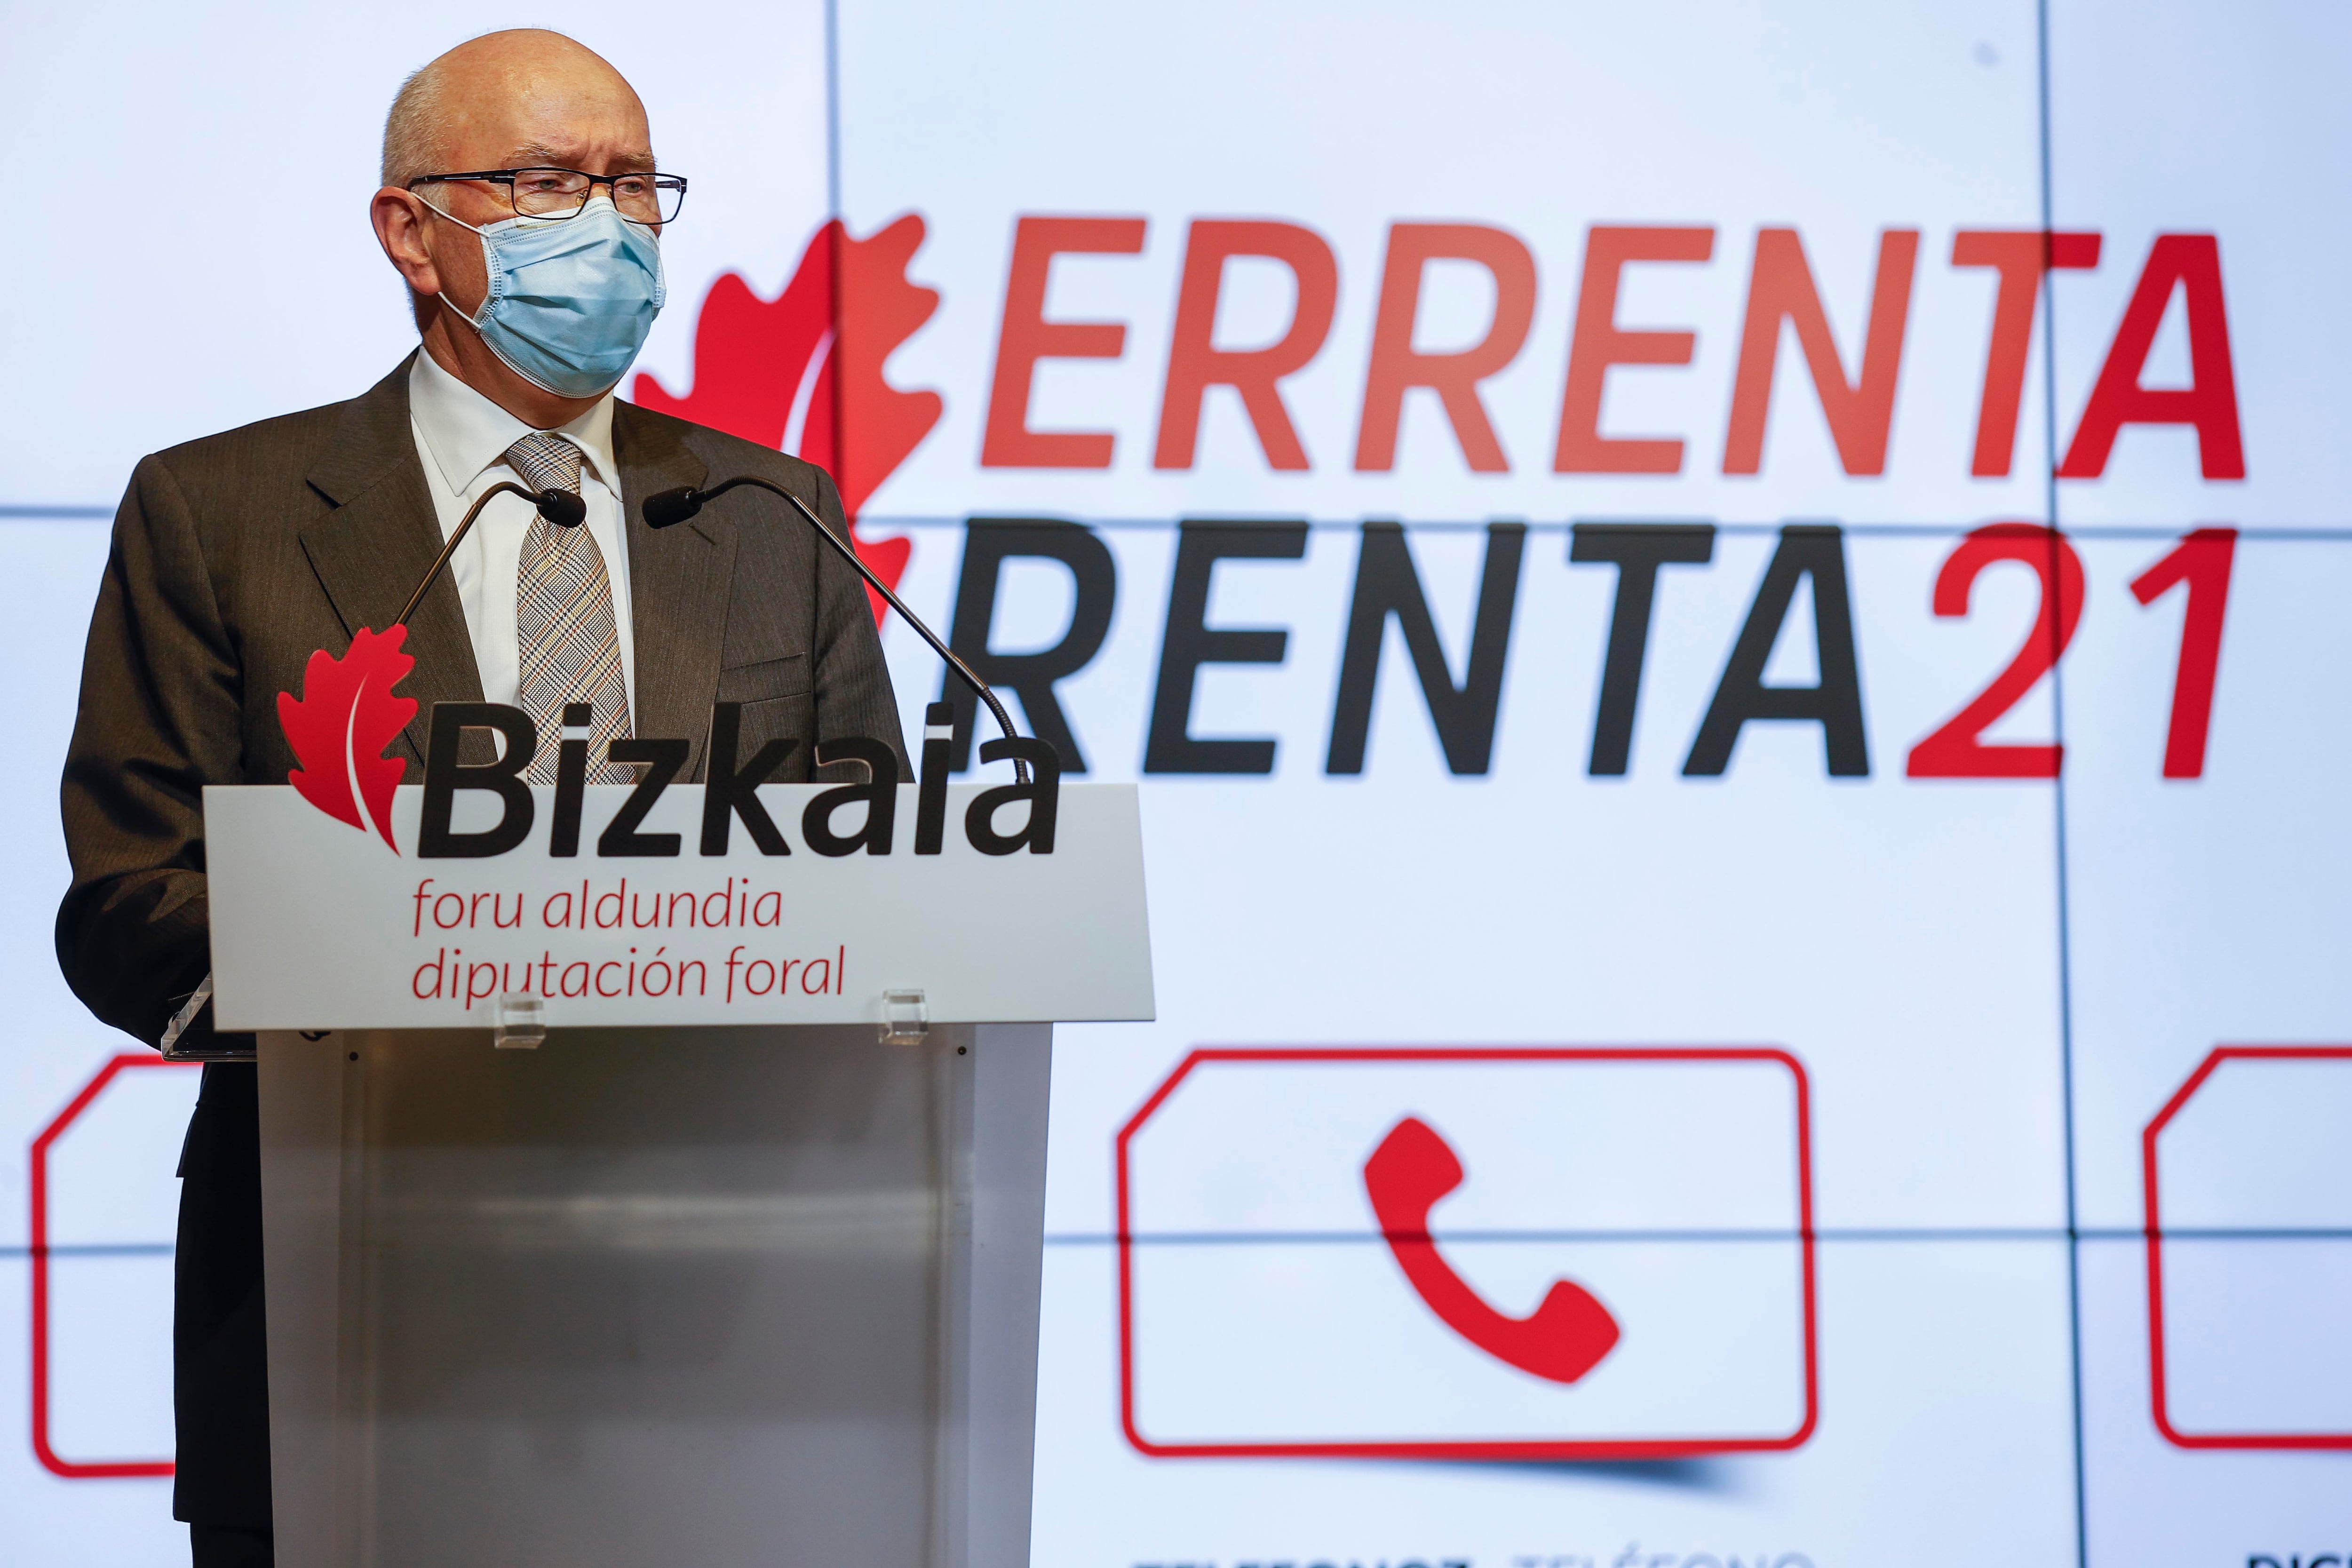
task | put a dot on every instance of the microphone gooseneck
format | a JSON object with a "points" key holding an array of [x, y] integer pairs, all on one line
{"points": [[561, 507], [666, 508]]}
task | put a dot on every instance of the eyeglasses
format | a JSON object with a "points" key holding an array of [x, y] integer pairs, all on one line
{"points": [[565, 193]]}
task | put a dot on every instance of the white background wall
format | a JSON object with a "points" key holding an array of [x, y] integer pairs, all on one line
{"points": [[1959, 966]]}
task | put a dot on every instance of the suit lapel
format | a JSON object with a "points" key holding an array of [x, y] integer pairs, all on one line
{"points": [[679, 582], [381, 537]]}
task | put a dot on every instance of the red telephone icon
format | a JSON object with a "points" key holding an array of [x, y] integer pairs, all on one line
{"points": [[1561, 1340]]}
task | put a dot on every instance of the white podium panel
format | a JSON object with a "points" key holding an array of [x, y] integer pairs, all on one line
{"points": [[676, 1296], [718, 1271], [319, 924]]}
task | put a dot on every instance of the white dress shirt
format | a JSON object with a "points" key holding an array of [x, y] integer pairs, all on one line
{"points": [[462, 437]]}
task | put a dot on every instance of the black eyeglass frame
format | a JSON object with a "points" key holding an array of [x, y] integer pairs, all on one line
{"points": [[506, 177]]}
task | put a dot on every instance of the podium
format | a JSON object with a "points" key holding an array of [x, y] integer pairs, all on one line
{"points": [[738, 1261]]}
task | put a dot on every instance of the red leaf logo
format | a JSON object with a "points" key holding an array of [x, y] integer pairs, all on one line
{"points": [[340, 726], [803, 371]]}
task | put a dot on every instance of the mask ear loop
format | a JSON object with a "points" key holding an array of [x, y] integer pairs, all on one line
{"points": [[489, 271], [445, 212]]}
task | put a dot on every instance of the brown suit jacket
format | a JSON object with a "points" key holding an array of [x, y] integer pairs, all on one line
{"points": [[234, 558], [236, 555]]}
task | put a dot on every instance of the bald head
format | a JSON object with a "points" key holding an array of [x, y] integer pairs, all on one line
{"points": [[510, 100]]}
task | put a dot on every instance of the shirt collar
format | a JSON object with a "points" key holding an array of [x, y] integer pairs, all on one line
{"points": [[466, 433]]}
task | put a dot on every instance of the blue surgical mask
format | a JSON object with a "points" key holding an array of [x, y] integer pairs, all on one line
{"points": [[571, 300]]}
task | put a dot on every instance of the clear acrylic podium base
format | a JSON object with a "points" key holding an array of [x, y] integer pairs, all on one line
{"points": [[671, 1296]]}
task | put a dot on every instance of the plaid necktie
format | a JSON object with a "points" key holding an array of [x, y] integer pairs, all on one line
{"points": [[570, 649]]}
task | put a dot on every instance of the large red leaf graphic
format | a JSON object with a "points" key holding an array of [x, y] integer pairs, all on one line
{"points": [[340, 724], [803, 371]]}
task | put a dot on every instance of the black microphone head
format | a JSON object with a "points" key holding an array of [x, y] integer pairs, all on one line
{"points": [[666, 508], [562, 508]]}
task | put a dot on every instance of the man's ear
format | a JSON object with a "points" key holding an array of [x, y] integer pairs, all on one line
{"points": [[398, 216]]}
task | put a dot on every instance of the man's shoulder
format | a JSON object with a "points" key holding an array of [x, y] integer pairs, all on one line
{"points": [[277, 441], [284, 447]]}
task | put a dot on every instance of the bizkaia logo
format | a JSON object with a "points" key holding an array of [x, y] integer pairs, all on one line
{"points": [[341, 723], [347, 714]]}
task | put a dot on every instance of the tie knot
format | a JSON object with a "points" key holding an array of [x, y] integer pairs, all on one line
{"points": [[546, 462]]}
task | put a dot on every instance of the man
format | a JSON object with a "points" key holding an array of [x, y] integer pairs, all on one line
{"points": [[522, 206]]}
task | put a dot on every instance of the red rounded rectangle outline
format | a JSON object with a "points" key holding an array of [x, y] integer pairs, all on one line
{"points": [[1512, 1449], [51, 1461], [2152, 1232]]}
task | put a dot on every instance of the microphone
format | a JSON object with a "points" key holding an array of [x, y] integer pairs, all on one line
{"points": [[666, 508], [561, 507]]}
